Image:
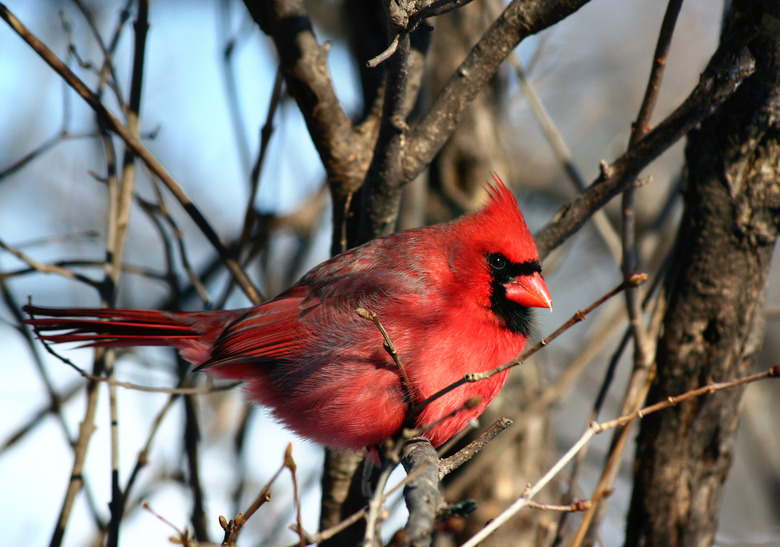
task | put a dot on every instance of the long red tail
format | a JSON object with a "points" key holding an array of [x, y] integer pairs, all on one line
{"points": [[192, 333]]}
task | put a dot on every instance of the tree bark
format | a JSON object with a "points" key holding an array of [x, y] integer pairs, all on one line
{"points": [[713, 326]]}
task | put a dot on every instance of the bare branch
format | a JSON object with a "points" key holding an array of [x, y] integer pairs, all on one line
{"points": [[422, 495], [135, 145], [520, 20], [596, 428], [448, 465], [717, 83], [345, 151]]}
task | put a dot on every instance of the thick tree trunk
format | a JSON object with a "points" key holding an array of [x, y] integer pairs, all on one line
{"points": [[713, 326]]}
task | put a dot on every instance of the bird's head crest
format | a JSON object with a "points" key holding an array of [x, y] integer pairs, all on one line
{"points": [[499, 226]]}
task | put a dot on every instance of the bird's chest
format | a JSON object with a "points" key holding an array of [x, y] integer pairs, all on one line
{"points": [[461, 345]]}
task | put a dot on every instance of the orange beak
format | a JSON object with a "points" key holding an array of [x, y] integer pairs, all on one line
{"points": [[529, 291]]}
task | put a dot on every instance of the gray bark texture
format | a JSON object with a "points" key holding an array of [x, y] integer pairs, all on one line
{"points": [[713, 327]]}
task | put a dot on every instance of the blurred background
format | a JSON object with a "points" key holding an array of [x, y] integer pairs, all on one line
{"points": [[208, 82]]}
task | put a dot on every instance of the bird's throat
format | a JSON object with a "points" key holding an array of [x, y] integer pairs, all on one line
{"points": [[512, 315]]}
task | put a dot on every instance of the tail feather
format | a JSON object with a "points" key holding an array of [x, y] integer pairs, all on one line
{"points": [[193, 334], [141, 316]]}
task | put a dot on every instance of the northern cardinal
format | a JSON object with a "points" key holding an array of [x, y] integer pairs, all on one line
{"points": [[453, 298]]}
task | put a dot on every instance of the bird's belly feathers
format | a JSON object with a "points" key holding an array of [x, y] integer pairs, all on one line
{"points": [[347, 404], [349, 395]]}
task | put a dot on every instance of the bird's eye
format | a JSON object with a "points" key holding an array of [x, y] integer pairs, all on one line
{"points": [[497, 261]]}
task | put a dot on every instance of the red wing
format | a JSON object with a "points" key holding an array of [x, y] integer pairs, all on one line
{"points": [[267, 333], [288, 326]]}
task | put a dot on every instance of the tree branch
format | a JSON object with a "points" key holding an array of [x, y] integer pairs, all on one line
{"points": [[345, 150], [599, 427], [136, 146], [520, 20], [718, 82], [422, 495]]}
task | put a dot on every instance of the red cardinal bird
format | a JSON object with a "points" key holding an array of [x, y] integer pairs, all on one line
{"points": [[454, 298]]}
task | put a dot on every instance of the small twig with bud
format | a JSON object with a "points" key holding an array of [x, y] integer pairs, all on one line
{"points": [[233, 527], [289, 463], [406, 384], [576, 507], [448, 465], [182, 537]]}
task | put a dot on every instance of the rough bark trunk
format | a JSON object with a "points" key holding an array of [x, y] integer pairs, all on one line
{"points": [[713, 326]]}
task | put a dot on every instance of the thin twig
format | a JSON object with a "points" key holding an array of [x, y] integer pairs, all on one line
{"points": [[376, 502], [644, 346], [233, 527], [406, 384], [143, 455], [34, 154], [54, 406], [137, 147], [642, 124], [191, 431], [254, 178], [153, 210], [448, 465], [575, 507], [182, 535], [289, 462], [47, 268], [228, 42], [385, 55], [596, 428], [239, 449]]}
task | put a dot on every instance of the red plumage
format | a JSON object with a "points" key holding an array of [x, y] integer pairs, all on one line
{"points": [[453, 298]]}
